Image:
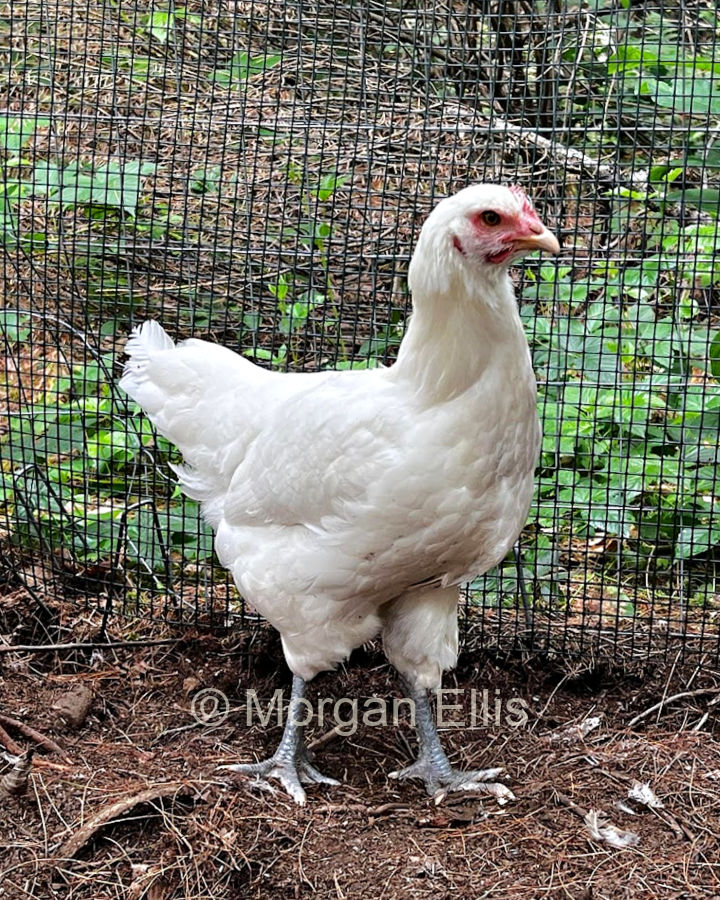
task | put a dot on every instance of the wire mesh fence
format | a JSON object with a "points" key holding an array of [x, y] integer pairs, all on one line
{"points": [[256, 174]]}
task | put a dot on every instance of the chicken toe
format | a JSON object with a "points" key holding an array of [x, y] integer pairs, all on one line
{"points": [[292, 770], [440, 779], [290, 764], [433, 767]]}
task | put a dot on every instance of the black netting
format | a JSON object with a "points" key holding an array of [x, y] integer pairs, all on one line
{"points": [[256, 174]]}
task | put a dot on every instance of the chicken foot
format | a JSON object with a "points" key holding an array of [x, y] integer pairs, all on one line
{"points": [[432, 765], [290, 763]]}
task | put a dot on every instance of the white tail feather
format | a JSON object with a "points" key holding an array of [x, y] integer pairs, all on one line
{"points": [[148, 337], [144, 341], [199, 396], [194, 483]]}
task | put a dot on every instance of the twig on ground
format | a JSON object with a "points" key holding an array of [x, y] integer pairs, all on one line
{"points": [[568, 157], [571, 804], [40, 739], [325, 738], [9, 744], [385, 808], [85, 645], [109, 814], [664, 702]]}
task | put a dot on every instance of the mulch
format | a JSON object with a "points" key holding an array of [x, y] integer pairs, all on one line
{"points": [[125, 797]]}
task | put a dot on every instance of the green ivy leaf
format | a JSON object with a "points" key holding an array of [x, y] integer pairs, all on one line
{"points": [[695, 539], [714, 354], [243, 67], [17, 132]]}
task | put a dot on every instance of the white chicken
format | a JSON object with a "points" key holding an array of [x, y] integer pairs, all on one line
{"points": [[351, 504]]}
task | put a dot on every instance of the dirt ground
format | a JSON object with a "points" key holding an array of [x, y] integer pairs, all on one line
{"points": [[125, 798]]}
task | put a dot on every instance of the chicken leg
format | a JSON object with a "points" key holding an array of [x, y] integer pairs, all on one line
{"points": [[290, 763], [432, 765]]}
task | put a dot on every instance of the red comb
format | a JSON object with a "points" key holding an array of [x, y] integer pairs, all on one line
{"points": [[521, 195]]}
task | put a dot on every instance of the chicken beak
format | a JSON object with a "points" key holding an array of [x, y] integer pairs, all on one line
{"points": [[545, 240]]}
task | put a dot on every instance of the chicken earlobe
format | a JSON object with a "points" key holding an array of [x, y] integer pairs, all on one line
{"points": [[432, 765], [290, 763]]}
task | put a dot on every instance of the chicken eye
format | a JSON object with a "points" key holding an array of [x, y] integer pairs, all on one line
{"points": [[490, 217]]}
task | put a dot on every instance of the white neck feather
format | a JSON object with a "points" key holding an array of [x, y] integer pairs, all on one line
{"points": [[463, 324]]}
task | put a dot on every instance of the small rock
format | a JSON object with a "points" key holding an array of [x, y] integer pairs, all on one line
{"points": [[74, 705]]}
